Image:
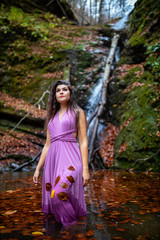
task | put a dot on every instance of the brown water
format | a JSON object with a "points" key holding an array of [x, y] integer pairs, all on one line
{"points": [[120, 205]]}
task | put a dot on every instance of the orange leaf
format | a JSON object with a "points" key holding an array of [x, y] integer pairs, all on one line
{"points": [[90, 233], [99, 226], [120, 229]]}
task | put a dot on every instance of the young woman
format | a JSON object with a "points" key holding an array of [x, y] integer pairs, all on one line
{"points": [[65, 163]]}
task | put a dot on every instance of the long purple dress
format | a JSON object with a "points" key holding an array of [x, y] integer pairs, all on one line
{"points": [[62, 191]]}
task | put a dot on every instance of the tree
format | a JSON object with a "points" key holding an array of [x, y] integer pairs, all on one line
{"points": [[101, 6]]}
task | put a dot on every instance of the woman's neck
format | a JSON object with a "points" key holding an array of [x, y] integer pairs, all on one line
{"points": [[63, 107]]}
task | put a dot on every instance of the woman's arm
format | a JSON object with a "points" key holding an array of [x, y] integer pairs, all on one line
{"points": [[42, 159], [82, 136]]}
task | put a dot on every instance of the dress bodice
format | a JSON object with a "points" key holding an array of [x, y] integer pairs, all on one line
{"points": [[63, 129]]}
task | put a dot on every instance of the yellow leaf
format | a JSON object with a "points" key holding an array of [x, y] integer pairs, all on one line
{"points": [[10, 191], [37, 233], [2, 227], [52, 193]]}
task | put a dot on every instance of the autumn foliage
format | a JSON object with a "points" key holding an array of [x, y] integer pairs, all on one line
{"points": [[21, 105], [18, 144], [106, 150]]}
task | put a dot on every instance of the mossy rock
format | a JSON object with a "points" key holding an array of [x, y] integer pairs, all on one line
{"points": [[107, 31], [142, 31]]}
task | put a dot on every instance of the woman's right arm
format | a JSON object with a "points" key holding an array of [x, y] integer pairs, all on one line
{"points": [[42, 159]]}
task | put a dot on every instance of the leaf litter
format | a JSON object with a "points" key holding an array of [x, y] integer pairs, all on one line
{"points": [[116, 201]]}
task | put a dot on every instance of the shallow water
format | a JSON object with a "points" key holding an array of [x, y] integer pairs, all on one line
{"points": [[120, 205]]}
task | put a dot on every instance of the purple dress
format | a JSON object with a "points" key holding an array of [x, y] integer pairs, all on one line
{"points": [[62, 191]]}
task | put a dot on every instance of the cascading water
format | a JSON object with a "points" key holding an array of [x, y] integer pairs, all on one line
{"points": [[117, 54], [122, 22], [92, 103], [96, 91], [95, 97]]}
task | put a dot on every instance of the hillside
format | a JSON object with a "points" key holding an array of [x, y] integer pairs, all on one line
{"points": [[134, 92], [38, 49]]}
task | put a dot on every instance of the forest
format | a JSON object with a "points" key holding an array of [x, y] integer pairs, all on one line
{"points": [[109, 52]]}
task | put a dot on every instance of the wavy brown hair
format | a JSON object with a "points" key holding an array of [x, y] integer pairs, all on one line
{"points": [[53, 106]]}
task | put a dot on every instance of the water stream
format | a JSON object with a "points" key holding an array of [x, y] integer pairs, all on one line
{"points": [[96, 93]]}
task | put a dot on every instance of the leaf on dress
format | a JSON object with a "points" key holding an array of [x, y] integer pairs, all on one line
{"points": [[71, 168], [70, 179], [62, 196], [48, 187], [52, 193], [57, 180], [64, 185]]}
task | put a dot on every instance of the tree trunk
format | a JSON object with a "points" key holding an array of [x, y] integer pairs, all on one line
{"points": [[90, 11], [100, 11]]}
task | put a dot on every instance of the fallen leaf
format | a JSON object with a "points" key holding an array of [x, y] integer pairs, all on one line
{"points": [[37, 233], [90, 233], [10, 212]]}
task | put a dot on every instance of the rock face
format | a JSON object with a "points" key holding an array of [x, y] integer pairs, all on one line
{"points": [[134, 91]]}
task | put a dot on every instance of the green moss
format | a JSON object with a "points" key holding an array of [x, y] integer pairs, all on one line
{"points": [[1, 104], [136, 39], [143, 28], [141, 135], [143, 15]]}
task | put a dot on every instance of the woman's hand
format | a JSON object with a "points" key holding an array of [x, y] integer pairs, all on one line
{"points": [[86, 176], [36, 177]]}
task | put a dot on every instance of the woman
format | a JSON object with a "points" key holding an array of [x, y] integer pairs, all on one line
{"points": [[65, 163]]}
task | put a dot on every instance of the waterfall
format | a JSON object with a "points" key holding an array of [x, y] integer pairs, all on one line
{"points": [[117, 54], [95, 97], [92, 104], [122, 22]]}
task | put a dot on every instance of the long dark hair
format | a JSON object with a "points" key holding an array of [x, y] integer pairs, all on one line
{"points": [[53, 106]]}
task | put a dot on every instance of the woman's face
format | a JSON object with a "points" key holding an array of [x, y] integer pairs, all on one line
{"points": [[62, 93]]}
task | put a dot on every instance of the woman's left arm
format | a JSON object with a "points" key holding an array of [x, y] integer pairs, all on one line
{"points": [[82, 136]]}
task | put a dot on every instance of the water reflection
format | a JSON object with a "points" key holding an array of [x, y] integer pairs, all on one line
{"points": [[12, 181]]}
